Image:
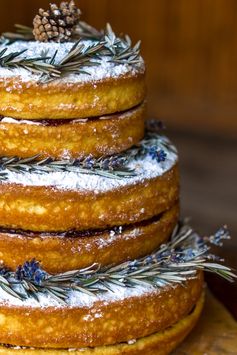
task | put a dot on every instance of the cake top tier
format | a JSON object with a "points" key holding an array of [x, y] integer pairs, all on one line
{"points": [[81, 71], [39, 61], [60, 44]]}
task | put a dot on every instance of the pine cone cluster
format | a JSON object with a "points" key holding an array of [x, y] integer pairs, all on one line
{"points": [[57, 23]]}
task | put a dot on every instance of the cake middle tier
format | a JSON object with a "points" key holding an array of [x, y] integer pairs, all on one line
{"points": [[61, 252], [38, 200], [78, 138]]}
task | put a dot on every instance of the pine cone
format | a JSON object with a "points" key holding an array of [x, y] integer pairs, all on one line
{"points": [[57, 23]]}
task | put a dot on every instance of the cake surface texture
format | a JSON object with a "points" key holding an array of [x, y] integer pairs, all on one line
{"points": [[116, 317], [78, 138], [161, 343], [94, 257], [75, 200], [104, 89], [82, 249]]}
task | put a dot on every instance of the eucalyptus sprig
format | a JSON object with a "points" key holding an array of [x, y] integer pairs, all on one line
{"points": [[115, 166], [174, 263]]}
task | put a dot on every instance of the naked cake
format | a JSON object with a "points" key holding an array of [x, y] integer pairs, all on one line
{"points": [[94, 258]]}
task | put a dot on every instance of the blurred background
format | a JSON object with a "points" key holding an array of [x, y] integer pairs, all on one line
{"points": [[190, 47]]}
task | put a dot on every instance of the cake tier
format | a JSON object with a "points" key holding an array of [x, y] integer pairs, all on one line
{"points": [[99, 136], [48, 208], [62, 200], [81, 250], [101, 89], [119, 315], [160, 343]]}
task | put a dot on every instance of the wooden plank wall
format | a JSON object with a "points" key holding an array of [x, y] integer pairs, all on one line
{"points": [[190, 47]]}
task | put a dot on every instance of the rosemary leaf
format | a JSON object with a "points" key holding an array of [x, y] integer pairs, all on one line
{"points": [[81, 56], [113, 167], [154, 270], [24, 33]]}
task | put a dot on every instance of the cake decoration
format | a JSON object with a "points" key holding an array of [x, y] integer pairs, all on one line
{"points": [[50, 62], [93, 256], [153, 148], [173, 263], [65, 71], [57, 23]]}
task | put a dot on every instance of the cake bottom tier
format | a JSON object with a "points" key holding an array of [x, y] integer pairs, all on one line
{"points": [[117, 316], [160, 343]]}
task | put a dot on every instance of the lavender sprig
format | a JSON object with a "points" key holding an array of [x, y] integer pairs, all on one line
{"points": [[111, 167], [116, 166], [174, 262]]}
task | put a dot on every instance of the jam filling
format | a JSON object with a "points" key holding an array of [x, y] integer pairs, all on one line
{"points": [[59, 122], [86, 233]]}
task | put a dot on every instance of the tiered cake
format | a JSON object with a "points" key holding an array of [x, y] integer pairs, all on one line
{"points": [[93, 258]]}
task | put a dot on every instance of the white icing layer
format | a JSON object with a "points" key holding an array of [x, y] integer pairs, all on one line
{"points": [[11, 120], [34, 49], [146, 168], [78, 299]]}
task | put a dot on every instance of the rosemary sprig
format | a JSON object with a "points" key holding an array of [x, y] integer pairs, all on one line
{"points": [[120, 49], [108, 167], [173, 263], [76, 61], [83, 30], [81, 56], [36, 65], [23, 33], [115, 166]]}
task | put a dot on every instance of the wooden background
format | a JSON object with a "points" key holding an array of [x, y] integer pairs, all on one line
{"points": [[190, 47]]}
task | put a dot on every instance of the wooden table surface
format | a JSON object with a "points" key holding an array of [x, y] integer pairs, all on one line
{"points": [[209, 196], [215, 333]]}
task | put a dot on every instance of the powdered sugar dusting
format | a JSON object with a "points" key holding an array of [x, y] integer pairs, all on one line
{"points": [[79, 299], [33, 49], [146, 168]]}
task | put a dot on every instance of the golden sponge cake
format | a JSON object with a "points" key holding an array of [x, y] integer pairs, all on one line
{"points": [[119, 315], [63, 197], [100, 89], [160, 343], [78, 138], [82, 249]]}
